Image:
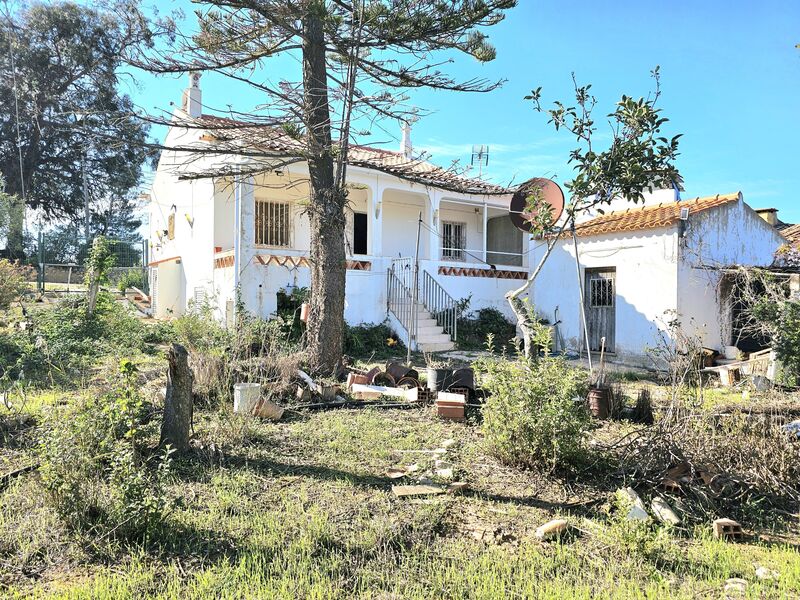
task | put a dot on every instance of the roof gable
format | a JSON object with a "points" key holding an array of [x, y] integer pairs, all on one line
{"points": [[650, 217]]}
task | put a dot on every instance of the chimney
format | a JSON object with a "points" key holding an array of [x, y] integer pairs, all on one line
{"points": [[770, 215], [405, 143], [193, 97]]}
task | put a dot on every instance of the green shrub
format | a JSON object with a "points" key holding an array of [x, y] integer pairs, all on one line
{"points": [[378, 341], [13, 282], [130, 278], [93, 469], [783, 319], [534, 415], [475, 327], [65, 338]]}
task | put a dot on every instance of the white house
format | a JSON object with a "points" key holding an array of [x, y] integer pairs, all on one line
{"points": [[645, 265], [212, 236]]}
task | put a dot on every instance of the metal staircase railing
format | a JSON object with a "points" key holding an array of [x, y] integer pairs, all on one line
{"points": [[400, 294], [400, 299], [440, 304]]}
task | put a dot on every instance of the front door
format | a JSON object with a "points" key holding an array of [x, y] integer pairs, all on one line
{"points": [[600, 301]]}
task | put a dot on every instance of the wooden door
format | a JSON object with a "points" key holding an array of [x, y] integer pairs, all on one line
{"points": [[600, 300]]}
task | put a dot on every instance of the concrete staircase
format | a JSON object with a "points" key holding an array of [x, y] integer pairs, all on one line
{"points": [[430, 297], [430, 336]]}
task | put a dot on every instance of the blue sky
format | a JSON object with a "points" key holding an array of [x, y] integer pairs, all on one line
{"points": [[730, 80]]}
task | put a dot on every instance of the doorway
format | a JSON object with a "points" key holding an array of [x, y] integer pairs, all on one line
{"points": [[600, 303]]}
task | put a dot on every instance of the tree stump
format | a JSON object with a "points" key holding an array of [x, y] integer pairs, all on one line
{"points": [[178, 400]]}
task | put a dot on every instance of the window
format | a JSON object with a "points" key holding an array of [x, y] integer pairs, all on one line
{"points": [[454, 240], [272, 223], [601, 292]]}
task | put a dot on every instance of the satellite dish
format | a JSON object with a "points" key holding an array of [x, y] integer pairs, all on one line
{"points": [[550, 193]]}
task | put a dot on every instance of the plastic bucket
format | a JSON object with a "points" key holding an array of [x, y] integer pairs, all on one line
{"points": [[245, 397]]}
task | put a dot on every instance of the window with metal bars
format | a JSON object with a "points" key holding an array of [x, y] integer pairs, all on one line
{"points": [[273, 223], [601, 293], [454, 240]]}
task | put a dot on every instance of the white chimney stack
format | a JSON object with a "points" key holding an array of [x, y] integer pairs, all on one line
{"points": [[193, 96], [405, 143]]}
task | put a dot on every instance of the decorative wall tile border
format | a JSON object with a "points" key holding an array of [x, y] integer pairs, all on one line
{"points": [[494, 273], [223, 262]]}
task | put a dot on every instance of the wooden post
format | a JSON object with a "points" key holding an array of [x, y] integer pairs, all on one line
{"points": [[178, 401]]}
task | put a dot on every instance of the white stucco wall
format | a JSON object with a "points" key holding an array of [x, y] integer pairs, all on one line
{"points": [[732, 234], [205, 216], [646, 276]]}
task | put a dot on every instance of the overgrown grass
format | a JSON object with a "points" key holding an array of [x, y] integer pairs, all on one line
{"points": [[303, 508]]}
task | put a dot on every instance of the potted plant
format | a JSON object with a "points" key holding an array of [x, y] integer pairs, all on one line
{"points": [[439, 373]]}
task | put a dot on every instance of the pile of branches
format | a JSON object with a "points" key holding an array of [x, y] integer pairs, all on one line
{"points": [[714, 464]]}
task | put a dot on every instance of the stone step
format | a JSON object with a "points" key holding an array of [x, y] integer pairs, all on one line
{"points": [[436, 347], [435, 338], [428, 330]]}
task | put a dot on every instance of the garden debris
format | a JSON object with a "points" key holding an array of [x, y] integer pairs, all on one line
{"points": [[636, 512], [663, 511], [267, 409], [396, 472], [448, 442], [450, 406], [402, 491], [735, 585], [444, 473], [356, 378], [372, 392], [399, 371], [766, 574], [727, 529], [552, 529], [245, 397], [456, 487]]}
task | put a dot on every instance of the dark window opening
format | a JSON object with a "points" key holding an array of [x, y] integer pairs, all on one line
{"points": [[359, 233]]}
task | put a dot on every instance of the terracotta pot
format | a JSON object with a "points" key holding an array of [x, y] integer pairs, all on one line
{"points": [[598, 402]]}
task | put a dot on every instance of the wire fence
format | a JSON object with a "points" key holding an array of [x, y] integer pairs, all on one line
{"points": [[60, 262]]}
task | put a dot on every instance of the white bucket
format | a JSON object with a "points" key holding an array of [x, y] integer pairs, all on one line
{"points": [[245, 396]]}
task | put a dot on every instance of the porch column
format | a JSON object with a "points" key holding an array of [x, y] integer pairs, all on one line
{"points": [[485, 235], [432, 220], [376, 219], [244, 235]]}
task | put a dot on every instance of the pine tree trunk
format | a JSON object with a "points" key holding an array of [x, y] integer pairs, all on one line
{"points": [[178, 401], [326, 210]]}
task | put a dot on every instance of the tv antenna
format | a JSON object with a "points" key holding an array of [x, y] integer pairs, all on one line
{"points": [[480, 157]]}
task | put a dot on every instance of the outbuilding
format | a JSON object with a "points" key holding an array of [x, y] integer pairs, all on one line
{"points": [[646, 269]]}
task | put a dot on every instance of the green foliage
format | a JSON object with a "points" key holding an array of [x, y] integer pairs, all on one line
{"points": [[646, 539], [92, 467], [535, 414], [377, 341], [68, 55], [475, 327], [131, 278], [65, 338], [13, 278], [639, 157], [782, 318], [100, 261]]}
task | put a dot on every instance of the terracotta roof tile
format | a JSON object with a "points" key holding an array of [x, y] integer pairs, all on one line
{"points": [[649, 217], [791, 233], [273, 140]]}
